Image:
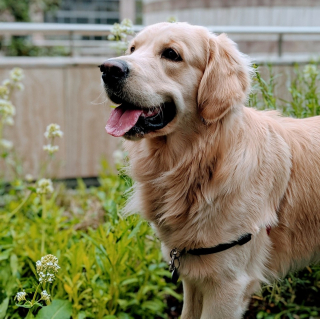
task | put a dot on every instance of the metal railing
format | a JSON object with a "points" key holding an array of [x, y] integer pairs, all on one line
{"points": [[72, 30], [279, 31]]}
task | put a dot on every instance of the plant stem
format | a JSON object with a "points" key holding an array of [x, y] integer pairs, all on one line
{"points": [[20, 206], [34, 296], [44, 215]]}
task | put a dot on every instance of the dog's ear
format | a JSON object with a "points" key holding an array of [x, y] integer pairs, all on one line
{"points": [[226, 79]]}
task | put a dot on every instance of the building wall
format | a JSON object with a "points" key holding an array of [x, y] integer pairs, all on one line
{"points": [[96, 11], [83, 11], [235, 12]]}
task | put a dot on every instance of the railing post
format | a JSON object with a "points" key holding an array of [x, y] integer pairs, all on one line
{"points": [[71, 39], [280, 42]]}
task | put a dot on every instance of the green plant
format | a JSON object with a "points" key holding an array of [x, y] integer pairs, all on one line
{"points": [[47, 268], [22, 46], [303, 90], [20, 10], [7, 113], [119, 33], [110, 269]]}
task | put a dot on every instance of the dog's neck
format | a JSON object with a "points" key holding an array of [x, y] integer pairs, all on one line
{"points": [[174, 177]]}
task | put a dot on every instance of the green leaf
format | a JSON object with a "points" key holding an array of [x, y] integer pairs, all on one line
{"points": [[5, 254], [14, 264], [3, 308], [59, 309], [30, 315], [260, 315], [129, 281], [24, 306], [155, 306], [135, 230], [82, 315]]}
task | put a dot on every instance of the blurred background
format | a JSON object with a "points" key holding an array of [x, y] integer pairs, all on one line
{"points": [[60, 43]]}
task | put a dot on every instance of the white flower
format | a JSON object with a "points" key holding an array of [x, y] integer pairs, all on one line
{"points": [[118, 157], [6, 82], [16, 74], [172, 19], [44, 186], [111, 37], [6, 108], [8, 120], [127, 23], [47, 267], [20, 86], [45, 296], [123, 36], [6, 144], [53, 130], [21, 296], [4, 92], [120, 31], [51, 149], [310, 70], [29, 178]]}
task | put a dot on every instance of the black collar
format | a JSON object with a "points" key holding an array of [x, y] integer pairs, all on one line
{"points": [[175, 253]]}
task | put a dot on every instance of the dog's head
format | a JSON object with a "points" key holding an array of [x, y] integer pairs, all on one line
{"points": [[173, 75]]}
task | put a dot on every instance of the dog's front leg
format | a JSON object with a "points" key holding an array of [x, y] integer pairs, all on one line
{"points": [[192, 301], [226, 299]]}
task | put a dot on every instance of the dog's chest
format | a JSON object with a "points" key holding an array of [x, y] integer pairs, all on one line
{"points": [[179, 206], [172, 192]]}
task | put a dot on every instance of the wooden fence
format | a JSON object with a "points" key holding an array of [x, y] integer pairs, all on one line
{"points": [[64, 95], [71, 95]]}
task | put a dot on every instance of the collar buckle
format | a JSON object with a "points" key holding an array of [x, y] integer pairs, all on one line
{"points": [[174, 264]]}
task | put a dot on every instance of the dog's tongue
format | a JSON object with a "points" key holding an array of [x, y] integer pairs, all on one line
{"points": [[121, 121]]}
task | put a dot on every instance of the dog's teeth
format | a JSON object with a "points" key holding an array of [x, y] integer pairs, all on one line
{"points": [[149, 113]]}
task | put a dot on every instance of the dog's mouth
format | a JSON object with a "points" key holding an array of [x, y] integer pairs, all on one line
{"points": [[131, 121]]}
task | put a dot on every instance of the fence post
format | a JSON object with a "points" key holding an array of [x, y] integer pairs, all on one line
{"points": [[71, 39], [280, 42]]}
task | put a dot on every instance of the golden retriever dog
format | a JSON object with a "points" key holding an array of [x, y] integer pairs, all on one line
{"points": [[210, 173]]}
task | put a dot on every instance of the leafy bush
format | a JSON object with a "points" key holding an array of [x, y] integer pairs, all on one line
{"points": [[22, 46], [21, 11], [110, 268]]}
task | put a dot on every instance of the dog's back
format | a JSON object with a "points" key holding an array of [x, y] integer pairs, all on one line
{"points": [[296, 239]]}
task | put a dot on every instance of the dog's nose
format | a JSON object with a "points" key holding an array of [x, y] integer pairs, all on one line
{"points": [[114, 70]]}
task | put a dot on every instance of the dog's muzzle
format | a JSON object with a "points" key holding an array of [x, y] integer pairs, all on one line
{"points": [[128, 119], [114, 71]]}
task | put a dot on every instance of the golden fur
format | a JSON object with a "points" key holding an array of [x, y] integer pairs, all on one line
{"points": [[220, 170]]}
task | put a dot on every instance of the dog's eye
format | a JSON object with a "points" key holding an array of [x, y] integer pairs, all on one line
{"points": [[170, 54], [132, 49]]}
